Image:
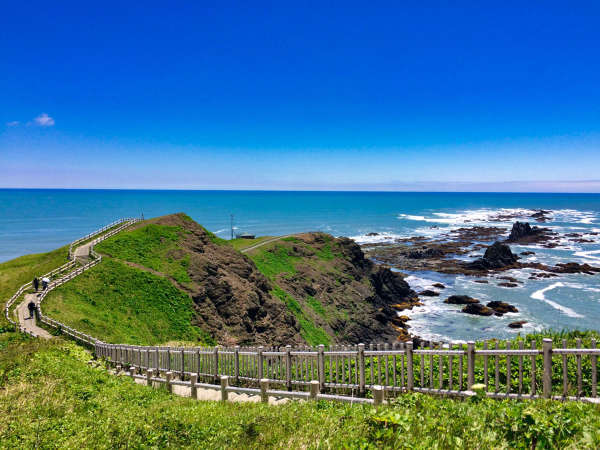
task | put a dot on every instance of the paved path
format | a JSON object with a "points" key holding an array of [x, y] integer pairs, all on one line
{"points": [[26, 322], [82, 253], [260, 244]]}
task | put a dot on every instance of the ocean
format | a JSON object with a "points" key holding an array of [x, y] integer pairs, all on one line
{"points": [[39, 220]]}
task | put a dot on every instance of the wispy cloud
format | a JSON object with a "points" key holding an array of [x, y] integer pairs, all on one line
{"points": [[14, 123], [44, 120]]}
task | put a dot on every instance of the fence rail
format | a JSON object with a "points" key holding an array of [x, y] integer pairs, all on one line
{"points": [[353, 371], [350, 372]]}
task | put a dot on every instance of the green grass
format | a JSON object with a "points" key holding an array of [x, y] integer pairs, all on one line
{"points": [[51, 398], [275, 260], [316, 305], [153, 246], [121, 304], [313, 334]]}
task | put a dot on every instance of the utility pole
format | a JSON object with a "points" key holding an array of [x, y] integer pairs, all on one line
{"points": [[231, 226]]}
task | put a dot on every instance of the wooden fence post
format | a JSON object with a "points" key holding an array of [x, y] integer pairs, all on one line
{"points": [[410, 375], [169, 377], [224, 385], [288, 367], [194, 388], [361, 369], [236, 365], [547, 380], [169, 358], [378, 395], [260, 362], [314, 389], [321, 367], [470, 364], [182, 363], [264, 387], [216, 363], [149, 373], [594, 371]]}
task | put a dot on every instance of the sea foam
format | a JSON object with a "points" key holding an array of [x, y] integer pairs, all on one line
{"points": [[539, 295]]}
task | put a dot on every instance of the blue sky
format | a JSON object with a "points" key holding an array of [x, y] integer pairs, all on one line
{"points": [[301, 95]]}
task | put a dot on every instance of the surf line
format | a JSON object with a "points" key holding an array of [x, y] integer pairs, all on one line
{"points": [[539, 295]]}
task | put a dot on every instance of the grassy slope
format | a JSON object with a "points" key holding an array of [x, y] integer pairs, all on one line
{"points": [[274, 260], [50, 397], [121, 304], [152, 246], [18, 271]]}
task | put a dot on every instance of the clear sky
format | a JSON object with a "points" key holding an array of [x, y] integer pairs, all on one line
{"points": [[301, 95]]}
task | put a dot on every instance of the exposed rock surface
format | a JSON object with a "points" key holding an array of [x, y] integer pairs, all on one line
{"points": [[478, 309], [502, 307], [497, 256], [428, 293], [460, 300], [517, 324]]}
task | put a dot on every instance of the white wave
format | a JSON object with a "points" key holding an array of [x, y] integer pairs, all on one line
{"points": [[588, 256], [486, 215], [378, 239], [539, 295], [419, 283]]}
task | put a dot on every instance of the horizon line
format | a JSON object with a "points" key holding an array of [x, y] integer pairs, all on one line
{"points": [[390, 191]]}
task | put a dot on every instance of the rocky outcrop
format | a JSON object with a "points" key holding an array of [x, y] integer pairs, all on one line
{"points": [[517, 324], [460, 300], [501, 308], [478, 309], [428, 293], [541, 216], [497, 256]]}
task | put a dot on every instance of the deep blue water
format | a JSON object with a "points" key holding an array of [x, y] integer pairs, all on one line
{"points": [[34, 221]]}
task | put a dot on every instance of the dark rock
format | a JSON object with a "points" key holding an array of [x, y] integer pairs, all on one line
{"points": [[511, 279], [501, 307], [478, 309], [497, 256], [427, 253], [481, 281], [429, 293], [518, 324], [439, 285], [460, 300], [508, 285], [541, 215], [372, 234], [527, 253]]}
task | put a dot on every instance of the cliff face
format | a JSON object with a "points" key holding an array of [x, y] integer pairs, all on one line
{"points": [[232, 299], [338, 289], [310, 288]]}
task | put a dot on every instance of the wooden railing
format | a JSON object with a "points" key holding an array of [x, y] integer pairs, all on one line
{"points": [[68, 266], [95, 259], [351, 373]]}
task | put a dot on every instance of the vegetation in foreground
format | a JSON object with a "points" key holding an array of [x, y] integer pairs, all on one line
{"points": [[51, 398]]}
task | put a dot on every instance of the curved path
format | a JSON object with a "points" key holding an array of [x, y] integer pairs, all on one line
{"points": [[265, 242], [28, 324]]}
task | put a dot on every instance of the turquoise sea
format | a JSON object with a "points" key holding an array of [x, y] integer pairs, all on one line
{"points": [[34, 221]]}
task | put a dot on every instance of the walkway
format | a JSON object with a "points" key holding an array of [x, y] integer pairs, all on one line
{"points": [[260, 244], [27, 323]]}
